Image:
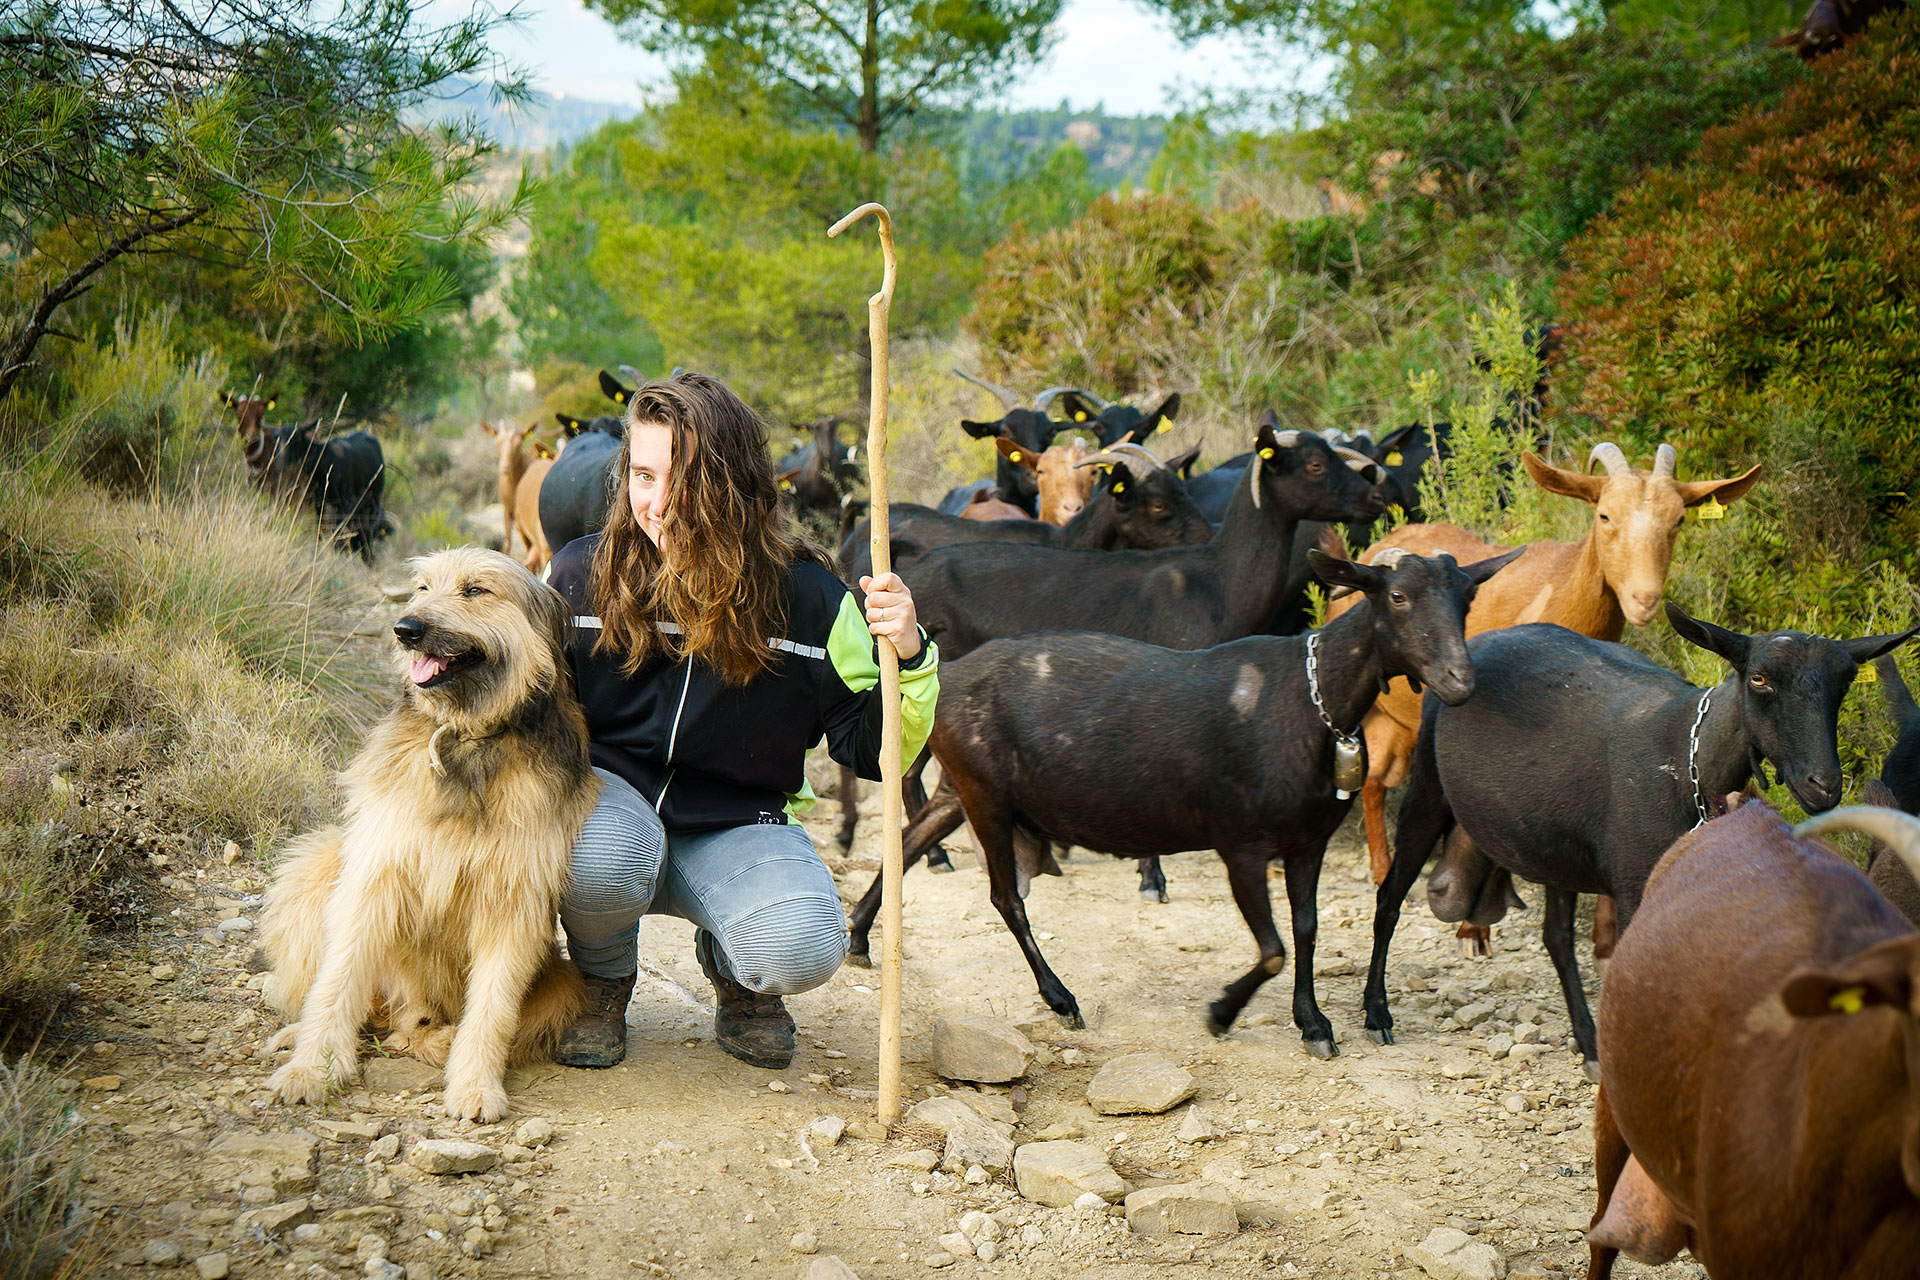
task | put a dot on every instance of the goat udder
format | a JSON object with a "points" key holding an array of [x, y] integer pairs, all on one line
{"points": [[1640, 1221]]}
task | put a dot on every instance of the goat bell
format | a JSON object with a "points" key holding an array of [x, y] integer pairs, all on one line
{"points": [[1349, 764]]}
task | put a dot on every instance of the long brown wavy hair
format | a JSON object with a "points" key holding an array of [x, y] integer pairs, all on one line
{"points": [[722, 579]]}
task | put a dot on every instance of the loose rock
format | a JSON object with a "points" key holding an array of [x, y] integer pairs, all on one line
{"points": [[235, 924], [212, 1266], [345, 1130], [827, 1130], [385, 1148], [535, 1132], [829, 1268], [1196, 1127], [804, 1242], [1189, 1208], [449, 1155], [976, 1142], [977, 1226], [391, 1075], [970, 1047], [1447, 1254], [1139, 1083], [102, 1084], [274, 1218], [287, 1160], [920, 1161], [162, 1253], [939, 1259], [957, 1244], [1058, 1173]]}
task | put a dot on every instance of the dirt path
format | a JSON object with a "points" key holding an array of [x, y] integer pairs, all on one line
{"points": [[684, 1162]]}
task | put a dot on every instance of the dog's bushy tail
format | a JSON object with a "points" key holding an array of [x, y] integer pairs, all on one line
{"points": [[555, 999], [292, 925]]}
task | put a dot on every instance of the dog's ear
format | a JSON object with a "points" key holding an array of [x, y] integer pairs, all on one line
{"points": [[549, 611]]}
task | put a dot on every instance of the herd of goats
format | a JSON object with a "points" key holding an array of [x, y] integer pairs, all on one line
{"points": [[1127, 667]]}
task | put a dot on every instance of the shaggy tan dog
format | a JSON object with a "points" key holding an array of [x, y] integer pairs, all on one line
{"points": [[430, 908]]}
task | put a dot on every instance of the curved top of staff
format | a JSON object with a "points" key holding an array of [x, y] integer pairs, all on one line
{"points": [[885, 219]]}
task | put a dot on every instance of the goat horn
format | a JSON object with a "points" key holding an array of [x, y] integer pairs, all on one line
{"points": [[635, 374], [1140, 451], [1608, 455], [1253, 479], [1008, 400], [1900, 832], [1387, 557], [1286, 439], [1361, 462], [1664, 460], [1107, 458], [1047, 397]]}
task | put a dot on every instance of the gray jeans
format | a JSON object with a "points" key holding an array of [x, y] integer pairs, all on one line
{"points": [[760, 891]]}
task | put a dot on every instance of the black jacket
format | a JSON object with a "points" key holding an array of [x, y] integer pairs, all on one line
{"points": [[708, 756]]}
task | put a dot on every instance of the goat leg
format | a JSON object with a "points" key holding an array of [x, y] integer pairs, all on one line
{"points": [[1558, 933], [1425, 819], [1153, 881], [941, 817], [1606, 928], [1609, 1159], [1373, 811], [849, 806], [1303, 898], [996, 845], [1247, 877]]}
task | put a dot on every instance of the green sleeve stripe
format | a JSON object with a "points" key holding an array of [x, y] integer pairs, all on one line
{"points": [[850, 647]]}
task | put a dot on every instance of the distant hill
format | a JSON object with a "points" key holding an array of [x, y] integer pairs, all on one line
{"points": [[544, 121], [993, 144]]}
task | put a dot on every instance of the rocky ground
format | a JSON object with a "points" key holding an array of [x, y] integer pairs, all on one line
{"points": [[1462, 1151]]}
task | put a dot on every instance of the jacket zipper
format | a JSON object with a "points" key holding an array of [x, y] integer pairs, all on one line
{"points": [[673, 736]]}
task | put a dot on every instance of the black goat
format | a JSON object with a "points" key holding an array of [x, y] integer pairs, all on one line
{"points": [[1038, 739], [818, 477], [1112, 424], [342, 480], [1190, 597], [578, 489], [1579, 762], [1898, 787], [1034, 429]]}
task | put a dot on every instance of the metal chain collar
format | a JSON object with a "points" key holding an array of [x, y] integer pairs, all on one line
{"points": [[1693, 758], [1313, 688]]}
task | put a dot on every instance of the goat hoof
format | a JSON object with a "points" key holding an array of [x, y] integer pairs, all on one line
{"points": [[1476, 948], [1382, 1036], [859, 959], [1320, 1049], [1153, 895], [1073, 1021], [1592, 1067], [941, 867]]}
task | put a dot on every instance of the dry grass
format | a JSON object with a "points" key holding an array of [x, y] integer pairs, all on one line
{"points": [[42, 1234]]}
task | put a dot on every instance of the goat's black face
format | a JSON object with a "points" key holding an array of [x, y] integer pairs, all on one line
{"points": [[1418, 610], [1791, 686], [1154, 510], [1297, 471], [1028, 428]]}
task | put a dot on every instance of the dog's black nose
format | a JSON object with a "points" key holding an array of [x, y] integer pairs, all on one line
{"points": [[409, 630]]}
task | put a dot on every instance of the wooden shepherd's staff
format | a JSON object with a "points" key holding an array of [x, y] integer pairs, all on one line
{"points": [[888, 1104]]}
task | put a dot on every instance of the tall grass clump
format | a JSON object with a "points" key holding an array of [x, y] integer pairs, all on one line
{"points": [[43, 1234]]}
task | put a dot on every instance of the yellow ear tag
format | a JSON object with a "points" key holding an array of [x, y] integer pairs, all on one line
{"points": [[1395, 458], [1711, 510], [1080, 416], [1266, 453], [1165, 424], [1013, 455], [271, 403], [1849, 1000], [1119, 488], [1867, 674], [786, 484], [620, 398]]}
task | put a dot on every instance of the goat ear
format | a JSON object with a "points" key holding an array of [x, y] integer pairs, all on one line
{"points": [[1399, 438], [1867, 648], [1268, 441], [1076, 408], [1182, 464], [227, 398], [1730, 645], [1568, 484], [273, 398], [610, 387], [1899, 698], [1338, 571], [1695, 492], [1881, 975], [982, 430], [1015, 452], [1163, 417], [1120, 484], [1480, 570], [573, 426]]}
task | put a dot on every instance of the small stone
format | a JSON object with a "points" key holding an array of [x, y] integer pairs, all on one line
{"points": [[976, 1143], [311, 1233], [804, 1242], [829, 1268], [826, 1130], [1448, 1254], [391, 1075], [977, 1226], [972, 1047], [1499, 1046], [866, 1130], [942, 1259], [991, 1106], [514, 1152], [212, 1266], [1474, 1014], [1514, 1103], [1139, 1083], [345, 1130], [1528, 1052], [275, 1217], [986, 1250], [779, 1086], [387, 1148], [102, 1084], [920, 1160], [976, 1176], [535, 1132], [164, 972], [370, 1246], [449, 1155], [1072, 1058], [1060, 1131], [235, 924], [1188, 1208], [1058, 1173], [162, 1253], [1196, 1127], [1090, 1200], [197, 1035], [231, 854], [1526, 1033], [382, 1269], [957, 1244]]}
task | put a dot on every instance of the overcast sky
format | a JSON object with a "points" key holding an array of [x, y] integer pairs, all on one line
{"points": [[1111, 52]]}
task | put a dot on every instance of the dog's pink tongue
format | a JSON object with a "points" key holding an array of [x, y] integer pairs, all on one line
{"points": [[425, 667]]}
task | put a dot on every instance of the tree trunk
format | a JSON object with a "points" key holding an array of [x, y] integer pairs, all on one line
{"points": [[16, 354], [869, 123]]}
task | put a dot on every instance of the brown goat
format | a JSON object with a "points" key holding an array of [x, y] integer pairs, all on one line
{"points": [[511, 443], [987, 507], [1760, 1060], [1065, 486], [1615, 575]]}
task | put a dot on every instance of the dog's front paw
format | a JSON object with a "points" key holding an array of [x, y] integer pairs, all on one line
{"points": [[298, 1084], [284, 1038], [481, 1103]]}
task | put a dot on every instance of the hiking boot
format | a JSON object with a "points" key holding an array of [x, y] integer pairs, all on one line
{"points": [[755, 1028], [598, 1038]]}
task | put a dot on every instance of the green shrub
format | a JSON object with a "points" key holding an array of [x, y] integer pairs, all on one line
{"points": [[1780, 265], [137, 404]]}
